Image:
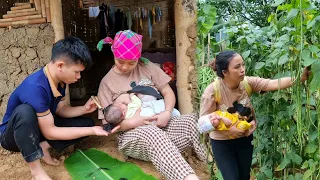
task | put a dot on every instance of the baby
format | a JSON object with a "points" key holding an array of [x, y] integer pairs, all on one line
{"points": [[126, 106], [236, 113]]}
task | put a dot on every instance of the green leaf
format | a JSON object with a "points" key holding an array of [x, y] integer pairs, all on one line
{"points": [[296, 159], [298, 176], [305, 165], [307, 175], [285, 161], [259, 65], [277, 3], [311, 148], [284, 7], [306, 57], [206, 9], [95, 164], [245, 54], [314, 49], [292, 13], [315, 82], [283, 59], [239, 38], [270, 18], [284, 38], [250, 40], [267, 171], [312, 22], [313, 135]]}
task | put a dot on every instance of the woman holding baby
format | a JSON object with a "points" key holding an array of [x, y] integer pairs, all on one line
{"points": [[159, 138], [232, 148]]}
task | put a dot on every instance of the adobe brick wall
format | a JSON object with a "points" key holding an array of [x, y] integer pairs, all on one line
{"points": [[23, 50]]}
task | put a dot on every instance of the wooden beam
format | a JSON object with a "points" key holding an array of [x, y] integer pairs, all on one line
{"points": [[21, 10], [43, 8], [20, 14], [21, 18], [21, 7], [20, 4], [30, 21], [48, 13]]}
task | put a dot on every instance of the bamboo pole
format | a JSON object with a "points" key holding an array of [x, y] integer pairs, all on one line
{"points": [[183, 20], [43, 8], [21, 7], [21, 10], [47, 4], [30, 21], [37, 4], [20, 14], [21, 18], [57, 24]]}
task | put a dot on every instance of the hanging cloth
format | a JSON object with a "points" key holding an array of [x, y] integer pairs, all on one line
{"points": [[150, 23], [136, 21], [129, 19], [153, 15], [118, 20], [159, 13], [111, 20], [103, 10], [94, 11], [140, 18]]}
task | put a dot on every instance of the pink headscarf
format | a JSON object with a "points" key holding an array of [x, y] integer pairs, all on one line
{"points": [[127, 45]]}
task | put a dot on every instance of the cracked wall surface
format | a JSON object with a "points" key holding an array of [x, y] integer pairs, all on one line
{"points": [[23, 50]]}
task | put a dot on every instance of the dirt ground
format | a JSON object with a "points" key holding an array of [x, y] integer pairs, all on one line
{"points": [[12, 165]]}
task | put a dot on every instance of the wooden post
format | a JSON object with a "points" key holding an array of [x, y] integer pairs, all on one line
{"points": [[47, 4], [37, 4], [57, 24], [185, 18], [43, 8]]}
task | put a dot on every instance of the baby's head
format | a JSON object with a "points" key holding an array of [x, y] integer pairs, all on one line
{"points": [[115, 113]]}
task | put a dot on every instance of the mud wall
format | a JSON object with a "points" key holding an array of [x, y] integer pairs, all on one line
{"points": [[23, 50]]}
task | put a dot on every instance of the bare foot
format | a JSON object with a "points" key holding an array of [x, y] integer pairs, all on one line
{"points": [[48, 159], [41, 177], [37, 171], [46, 155]]}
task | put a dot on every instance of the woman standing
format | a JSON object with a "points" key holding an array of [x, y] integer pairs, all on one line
{"points": [[232, 149], [160, 143]]}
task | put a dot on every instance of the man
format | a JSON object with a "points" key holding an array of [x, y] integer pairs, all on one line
{"points": [[37, 116]]}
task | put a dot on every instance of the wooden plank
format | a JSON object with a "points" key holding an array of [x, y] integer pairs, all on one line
{"points": [[24, 22], [20, 14], [21, 10], [48, 13], [20, 4], [21, 7], [21, 18], [43, 8]]}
